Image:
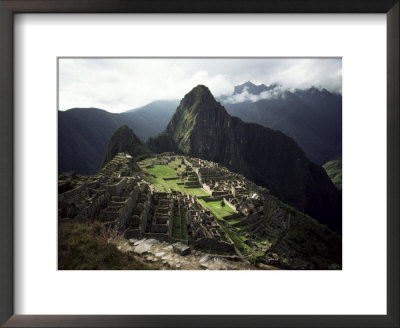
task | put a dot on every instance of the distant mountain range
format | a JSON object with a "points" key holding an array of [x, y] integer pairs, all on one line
{"points": [[251, 88], [201, 127], [83, 133], [312, 117]]}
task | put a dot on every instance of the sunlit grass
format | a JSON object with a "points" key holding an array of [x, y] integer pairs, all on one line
{"points": [[217, 209]]}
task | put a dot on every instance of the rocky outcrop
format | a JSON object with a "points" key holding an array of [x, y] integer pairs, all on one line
{"points": [[181, 249]]}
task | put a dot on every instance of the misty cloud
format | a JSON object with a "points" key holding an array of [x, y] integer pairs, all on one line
{"points": [[120, 84], [246, 96]]}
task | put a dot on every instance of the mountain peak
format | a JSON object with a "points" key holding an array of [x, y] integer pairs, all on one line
{"points": [[199, 91], [198, 99], [251, 88], [124, 132], [249, 84], [123, 140], [201, 87]]}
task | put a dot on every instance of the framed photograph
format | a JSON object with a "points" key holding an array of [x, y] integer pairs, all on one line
{"points": [[181, 164]]}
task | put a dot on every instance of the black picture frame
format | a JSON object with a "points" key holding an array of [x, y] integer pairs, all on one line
{"points": [[10, 7]]}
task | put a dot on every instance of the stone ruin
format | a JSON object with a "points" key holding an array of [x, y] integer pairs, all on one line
{"points": [[237, 192], [163, 213], [118, 195]]}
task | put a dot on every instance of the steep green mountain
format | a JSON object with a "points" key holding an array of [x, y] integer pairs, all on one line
{"points": [[202, 128], [334, 170], [83, 133], [124, 140], [312, 117]]}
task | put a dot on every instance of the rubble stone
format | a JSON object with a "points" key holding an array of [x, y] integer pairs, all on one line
{"points": [[181, 249]]}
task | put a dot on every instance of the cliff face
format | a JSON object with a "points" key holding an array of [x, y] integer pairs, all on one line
{"points": [[312, 117], [202, 128]]}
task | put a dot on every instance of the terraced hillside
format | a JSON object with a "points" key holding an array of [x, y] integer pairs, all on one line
{"points": [[261, 228], [177, 212]]}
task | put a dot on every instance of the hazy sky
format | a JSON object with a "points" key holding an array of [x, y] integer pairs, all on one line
{"points": [[117, 85]]}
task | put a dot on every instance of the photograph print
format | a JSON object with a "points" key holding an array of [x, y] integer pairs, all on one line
{"points": [[199, 163]]}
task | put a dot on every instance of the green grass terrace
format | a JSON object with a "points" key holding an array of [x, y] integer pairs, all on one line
{"points": [[166, 178], [217, 209]]}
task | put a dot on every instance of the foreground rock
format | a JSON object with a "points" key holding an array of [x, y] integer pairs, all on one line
{"points": [[142, 248], [144, 245], [181, 249], [163, 256]]}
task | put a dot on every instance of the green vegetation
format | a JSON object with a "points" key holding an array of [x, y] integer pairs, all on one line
{"points": [[238, 240], [162, 171], [334, 170], [184, 232], [234, 221], [216, 209], [179, 229], [176, 228], [158, 183], [176, 184], [166, 178], [194, 191], [313, 241], [255, 256], [84, 246]]}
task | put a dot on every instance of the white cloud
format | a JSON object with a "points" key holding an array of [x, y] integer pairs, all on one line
{"points": [[245, 96], [121, 84]]}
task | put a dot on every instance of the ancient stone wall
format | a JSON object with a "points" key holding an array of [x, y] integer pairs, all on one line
{"points": [[212, 244], [73, 195], [233, 216], [82, 202], [145, 213], [210, 198], [207, 188], [111, 213], [116, 187], [227, 202], [159, 228], [163, 237]]}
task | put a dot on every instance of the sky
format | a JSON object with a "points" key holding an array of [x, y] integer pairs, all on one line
{"points": [[120, 84]]}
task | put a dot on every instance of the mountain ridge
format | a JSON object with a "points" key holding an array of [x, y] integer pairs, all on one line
{"points": [[312, 117]]}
